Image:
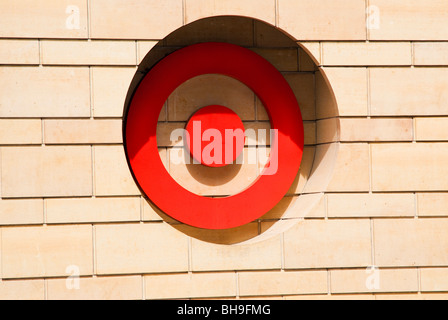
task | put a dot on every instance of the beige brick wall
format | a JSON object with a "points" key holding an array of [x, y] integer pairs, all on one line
{"points": [[371, 78]]}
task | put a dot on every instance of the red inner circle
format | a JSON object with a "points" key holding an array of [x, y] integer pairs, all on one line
{"points": [[215, 136]]}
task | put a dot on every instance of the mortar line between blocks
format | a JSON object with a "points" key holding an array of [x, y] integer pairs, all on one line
{"points": [[419, 279], [89, 25], [321, 53], [372, 241], [44, 209], [277, 16], [45, 289], [137, 53], [143, 288], [369, 98], [415, 205], [94, 267], [367, 20], [184, 12], [414, 130], [329, 282], [282, 247], [190, 257], [92, 155], [141, 209], [91, 93], [412, 54], [39, 42], [237, 285]]}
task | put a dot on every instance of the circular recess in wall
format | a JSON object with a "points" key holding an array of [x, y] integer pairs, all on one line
{"points": [[317, 104]]}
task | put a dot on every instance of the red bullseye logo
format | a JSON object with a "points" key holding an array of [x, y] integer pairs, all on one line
{"points": [[215, 136]]}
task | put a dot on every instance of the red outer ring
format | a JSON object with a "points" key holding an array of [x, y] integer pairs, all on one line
{"points": [[141, 139]]}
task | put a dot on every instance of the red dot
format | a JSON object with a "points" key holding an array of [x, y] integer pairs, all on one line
{"points": [[216, 136]]}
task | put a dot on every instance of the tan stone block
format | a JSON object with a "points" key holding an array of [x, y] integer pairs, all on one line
{"points": [[270, 298], [261, 136], [143, 48], [411, 242], [16, 212], [337, 297], [318, 210], [371, 205], [183, 286], [351, 171], [208, 181], [83, 131], [227, 236], [304, 89], [431, 129], [46, 171], [434, 296], [282, 283], [92, 210], [151, 212], [415, 167], [20, 131], [328, 244], [43, 19], [366, 54], [19, 52], [98, 288], [22, 290], [432, 204], [167, 134], [140, 248], [134, 19], [304, 174], [328, 130], [264, 255], [112, 173], [363, 281], [263, 10], [325, 101], [430, 53], [281, 59], [350, 91], [110, 87], [410, 20], [50, 92], [322, 169], [77, 52], [46, 251], [208, 90], [306, 62], [267, 36], [312, 49], [372, 130], [398, 297], [403, 91], [234, 29], [324, 19], [434, 279]]}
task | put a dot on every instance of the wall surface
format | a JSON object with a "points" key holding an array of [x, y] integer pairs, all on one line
{"points": [[74, 224]]}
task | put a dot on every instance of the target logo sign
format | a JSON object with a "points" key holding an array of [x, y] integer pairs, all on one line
{"points": [[223, 131]]}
